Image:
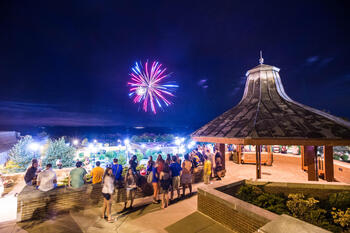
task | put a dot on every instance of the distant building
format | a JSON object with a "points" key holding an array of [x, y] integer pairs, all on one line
{"points": [[7, 140]]}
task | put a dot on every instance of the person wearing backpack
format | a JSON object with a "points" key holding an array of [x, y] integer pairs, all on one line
{"points": [[117, 172]]}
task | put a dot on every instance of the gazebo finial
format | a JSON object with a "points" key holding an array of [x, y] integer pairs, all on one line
{"points": [[261, 60]]}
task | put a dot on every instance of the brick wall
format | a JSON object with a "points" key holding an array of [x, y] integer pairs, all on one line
{"points": [[235, 214]]}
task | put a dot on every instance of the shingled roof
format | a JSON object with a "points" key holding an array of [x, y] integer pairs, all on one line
{"points": [[267, 116]]}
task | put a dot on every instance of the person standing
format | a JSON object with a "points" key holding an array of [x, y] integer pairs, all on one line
{"points": [[160, 163], [175, 173], [31, 172], [155, 179], [168, 159], [107, 192], [186, 176], [207, 170], [133, 163], [150, 165], [97, 173], [47, 179], [165, 181], [130, 183], [77, 176], [117, 170]]}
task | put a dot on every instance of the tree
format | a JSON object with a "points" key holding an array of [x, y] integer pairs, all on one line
{"points": [[21, 154], [58, 149]]}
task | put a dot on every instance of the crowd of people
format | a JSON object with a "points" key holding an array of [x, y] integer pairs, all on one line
{"points": [[166, 176]]}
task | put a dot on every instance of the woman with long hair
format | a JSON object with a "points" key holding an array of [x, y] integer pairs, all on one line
{"points": [[168, 159], [155, 180], [186, 176], [165, 181], [130, 183], [107, 191], [150, 165], [160, 161]]}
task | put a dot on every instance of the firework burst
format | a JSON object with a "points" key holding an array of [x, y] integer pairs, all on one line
{"points": [[148, 87]]}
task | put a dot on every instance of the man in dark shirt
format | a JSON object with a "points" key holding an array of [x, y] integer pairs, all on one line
{"points": [[117, 170], [31, 172], [175, 172]]}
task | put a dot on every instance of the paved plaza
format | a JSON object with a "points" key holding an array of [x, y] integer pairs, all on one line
{"points": [[181, 216]]}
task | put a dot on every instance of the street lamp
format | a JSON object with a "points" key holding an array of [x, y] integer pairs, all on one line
{"points": [[75, 142], [34, 146], [126, 143]]}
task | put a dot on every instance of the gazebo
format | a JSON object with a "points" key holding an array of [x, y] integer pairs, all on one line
{"points": [[266, 115]]}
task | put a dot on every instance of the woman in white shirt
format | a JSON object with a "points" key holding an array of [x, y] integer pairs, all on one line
{"points": [[107, 191]]}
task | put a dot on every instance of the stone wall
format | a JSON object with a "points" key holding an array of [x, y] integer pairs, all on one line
{"points": [[35, 204], [235, 214]]}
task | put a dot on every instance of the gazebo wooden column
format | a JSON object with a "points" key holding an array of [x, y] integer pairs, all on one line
{"points": [[328, 161], [310, 157], [258, 161], [222, 149], [239, 154]]}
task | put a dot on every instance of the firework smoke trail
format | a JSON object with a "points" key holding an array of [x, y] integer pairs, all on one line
{"points": [[147, 87]]}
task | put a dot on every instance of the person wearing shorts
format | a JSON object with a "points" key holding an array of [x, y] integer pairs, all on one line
{"points": [[130, 183], [165, 182], [107, 191], [186, 176], [175, 169]]}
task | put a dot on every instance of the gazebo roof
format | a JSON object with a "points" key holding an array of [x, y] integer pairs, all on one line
{"points": [[267, 116]]}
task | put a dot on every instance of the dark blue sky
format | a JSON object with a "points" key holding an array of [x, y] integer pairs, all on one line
{"points": [[67, 62]]}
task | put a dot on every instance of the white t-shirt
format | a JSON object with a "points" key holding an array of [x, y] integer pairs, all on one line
{"points": [[46, 179], [108, 185]]}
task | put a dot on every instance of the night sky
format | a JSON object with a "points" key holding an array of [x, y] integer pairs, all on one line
{"points": [[67, 62]]}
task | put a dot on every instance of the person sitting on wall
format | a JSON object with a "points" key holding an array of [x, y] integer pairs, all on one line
{"points": [[47, 179], [59, 163], [77, 176], [97, 173], [31, 172]]}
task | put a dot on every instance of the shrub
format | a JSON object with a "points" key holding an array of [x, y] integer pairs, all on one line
{"points": [[272, 202], [21, 155], [58, 149], [298, 205], [111, 155], [249, 193], [342, 218], [340, 200]]}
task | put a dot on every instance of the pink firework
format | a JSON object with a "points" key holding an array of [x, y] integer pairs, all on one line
{"points": [[147, 87]]}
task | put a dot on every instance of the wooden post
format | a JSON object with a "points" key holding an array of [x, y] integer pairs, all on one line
{"points": [[269, 155], [239, 154], [310, 156], [258, 161], [302, 158], [222, 149], [328, 160]]}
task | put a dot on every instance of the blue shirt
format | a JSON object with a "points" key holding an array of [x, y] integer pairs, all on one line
{"points": [[175, 169], [117, 170], [155, 175]]}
